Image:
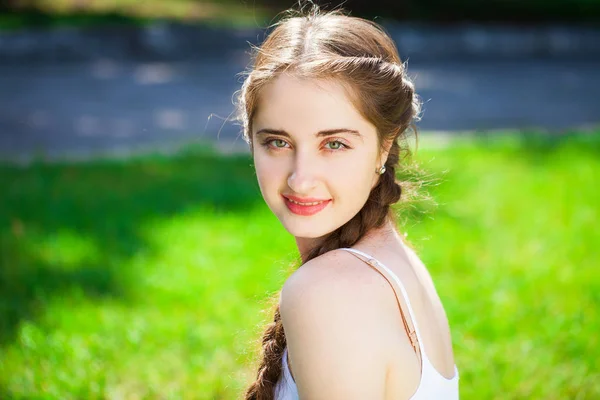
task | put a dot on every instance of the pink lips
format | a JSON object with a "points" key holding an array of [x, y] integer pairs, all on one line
{"points": [[305, 210]]}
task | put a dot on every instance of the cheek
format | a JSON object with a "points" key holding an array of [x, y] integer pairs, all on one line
{"points": [[354, 180], [268, 173]]}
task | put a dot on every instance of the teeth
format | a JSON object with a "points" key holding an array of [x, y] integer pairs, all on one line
{"points": [[305, 204]]}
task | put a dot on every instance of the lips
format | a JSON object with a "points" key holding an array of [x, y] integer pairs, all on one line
{"points": [[305, 206]]}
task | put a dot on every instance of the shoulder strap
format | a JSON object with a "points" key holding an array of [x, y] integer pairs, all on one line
{"points": [[401, 297]]}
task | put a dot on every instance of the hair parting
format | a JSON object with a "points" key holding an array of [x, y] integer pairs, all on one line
{"points": [[312, 44]]}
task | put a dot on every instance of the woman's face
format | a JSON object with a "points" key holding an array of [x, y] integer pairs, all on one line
{"points": [[311, 146]]}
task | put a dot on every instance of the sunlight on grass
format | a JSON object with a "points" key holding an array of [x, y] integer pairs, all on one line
{"points": [[64, 249], [69, 12], [517, 228], [152, 278]]}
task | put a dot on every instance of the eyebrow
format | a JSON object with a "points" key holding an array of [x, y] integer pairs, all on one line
{"points": [[325, 133]]}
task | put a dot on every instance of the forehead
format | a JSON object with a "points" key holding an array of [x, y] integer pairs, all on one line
{"points": [[302, 106]]}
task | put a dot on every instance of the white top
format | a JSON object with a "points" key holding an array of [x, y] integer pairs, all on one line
{"points": [[433, 385]]}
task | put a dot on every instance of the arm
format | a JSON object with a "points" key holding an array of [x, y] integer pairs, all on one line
{"points": [[335, 329]]}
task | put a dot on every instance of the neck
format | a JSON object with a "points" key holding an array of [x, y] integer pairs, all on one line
{"points": [[379, 236], [305, 245]]}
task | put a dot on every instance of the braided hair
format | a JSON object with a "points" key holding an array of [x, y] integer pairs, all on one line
{"points": [[362, 57]]}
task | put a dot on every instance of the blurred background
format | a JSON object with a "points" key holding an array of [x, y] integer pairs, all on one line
{"points": [[138, 260]]}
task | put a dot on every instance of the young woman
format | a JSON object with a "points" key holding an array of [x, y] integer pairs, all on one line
{"points": [[325, 107]]}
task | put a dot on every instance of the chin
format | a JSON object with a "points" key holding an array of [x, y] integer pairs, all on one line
{"points": [[312, 229]]}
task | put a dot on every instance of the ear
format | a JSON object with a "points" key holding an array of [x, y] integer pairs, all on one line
{"points": [[385, 151], [383, 155]]}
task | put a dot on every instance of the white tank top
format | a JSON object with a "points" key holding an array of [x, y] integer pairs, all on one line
{"points": [[433, 385]]}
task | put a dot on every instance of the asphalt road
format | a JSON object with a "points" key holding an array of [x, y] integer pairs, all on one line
{"points": [[108, 107]]}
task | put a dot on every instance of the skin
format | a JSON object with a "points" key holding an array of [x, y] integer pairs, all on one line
{"points": [[343, 328], [340, 167]]}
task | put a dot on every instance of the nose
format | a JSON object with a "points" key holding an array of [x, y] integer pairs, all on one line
{"points": [[304, 175]]}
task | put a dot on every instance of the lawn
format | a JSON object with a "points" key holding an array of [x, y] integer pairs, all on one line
{"points": [[53, 13], [148, 277]]}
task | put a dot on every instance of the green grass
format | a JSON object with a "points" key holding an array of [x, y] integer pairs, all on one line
{"points": [[259, 12], [73, 13], [146, 278]]}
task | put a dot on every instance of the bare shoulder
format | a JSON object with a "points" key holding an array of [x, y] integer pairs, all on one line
{"points": [[335, 279], [335, 312]]}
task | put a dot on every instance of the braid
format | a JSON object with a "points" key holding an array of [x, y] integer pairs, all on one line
{"points": [[373, 214], [269, 370], [362, 55]]}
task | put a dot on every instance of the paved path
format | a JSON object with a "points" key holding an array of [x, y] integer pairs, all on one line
{"points": [[84, 109]]}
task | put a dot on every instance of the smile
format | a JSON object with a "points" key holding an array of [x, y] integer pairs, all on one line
{"points": [[305, 208], [305, 204]]}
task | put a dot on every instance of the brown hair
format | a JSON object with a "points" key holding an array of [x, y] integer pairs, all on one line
{"points": [[361, 56]]}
